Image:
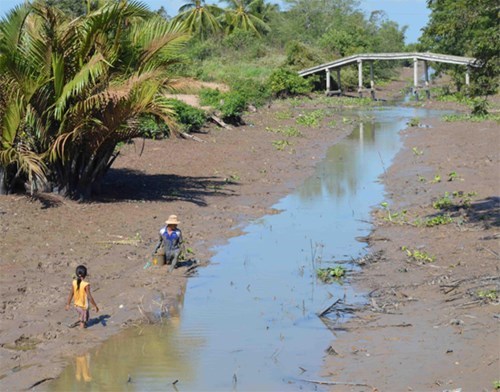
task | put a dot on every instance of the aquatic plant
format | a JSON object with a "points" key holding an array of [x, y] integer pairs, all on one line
{"points": [[330, 274]]}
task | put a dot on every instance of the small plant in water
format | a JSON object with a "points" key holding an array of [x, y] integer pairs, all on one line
{"points": [[496, 384], [418, 255], [421, 178], [413, 122], [330, 274]]}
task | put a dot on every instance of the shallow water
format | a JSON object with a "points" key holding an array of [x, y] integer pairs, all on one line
{"points": [[249, 320]]}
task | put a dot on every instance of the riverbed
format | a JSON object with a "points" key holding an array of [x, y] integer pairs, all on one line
{"points": [[249, 321]]}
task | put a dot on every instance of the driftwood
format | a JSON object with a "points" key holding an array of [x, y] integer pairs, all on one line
{"points": [[353, 384], [219, 122], [329, 309], [345, 329], [40, 382], [192, 137]]}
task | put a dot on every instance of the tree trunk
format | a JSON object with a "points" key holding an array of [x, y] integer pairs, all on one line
{"points": [[3, 186]]}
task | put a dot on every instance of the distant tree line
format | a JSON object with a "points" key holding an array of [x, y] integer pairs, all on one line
{"points": [[80, 78]]}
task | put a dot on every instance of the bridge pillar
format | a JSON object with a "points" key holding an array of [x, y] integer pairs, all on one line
{"points": [[415, 77], [338, 81], [360, 78], [372, 82], [328, 81], [467, 80], [426, 73]]}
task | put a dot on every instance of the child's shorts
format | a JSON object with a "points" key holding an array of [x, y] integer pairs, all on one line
{"points": [[82, 313]]}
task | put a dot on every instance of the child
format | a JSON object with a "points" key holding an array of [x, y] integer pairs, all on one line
{"points": [[80, 291]]}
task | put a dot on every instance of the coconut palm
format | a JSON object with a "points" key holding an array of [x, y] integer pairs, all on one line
{"points": [[82, 84], [262, 9], [239, 16], [200, 18]]}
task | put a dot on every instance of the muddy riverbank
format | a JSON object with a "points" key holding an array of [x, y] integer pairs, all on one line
{"points": [[432, 317], [216, 187]]}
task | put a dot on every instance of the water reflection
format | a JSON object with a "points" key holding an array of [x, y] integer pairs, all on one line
{"points": [[82, 366], [352, 161], [250, 319]]}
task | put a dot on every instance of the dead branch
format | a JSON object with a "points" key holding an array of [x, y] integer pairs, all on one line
{"points": [[329, 309], [192, 137], [403, 325], [491, 251], [40, 382], [353, 384], [219, 122]]}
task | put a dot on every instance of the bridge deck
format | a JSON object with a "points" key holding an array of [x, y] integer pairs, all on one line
{"points": [[442, 58]]}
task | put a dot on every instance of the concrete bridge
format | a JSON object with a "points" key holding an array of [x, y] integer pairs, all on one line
{"points": [[468, 62]]}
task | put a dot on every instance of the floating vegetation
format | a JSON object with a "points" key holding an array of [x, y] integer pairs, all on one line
{"points": [[331, 274]]}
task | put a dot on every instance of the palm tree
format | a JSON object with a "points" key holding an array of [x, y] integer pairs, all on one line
{"points": [[239, 16], [81, 85], [200, 18], [262, 9]]}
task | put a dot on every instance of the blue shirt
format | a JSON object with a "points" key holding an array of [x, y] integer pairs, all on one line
{"points": [[172, 241]]}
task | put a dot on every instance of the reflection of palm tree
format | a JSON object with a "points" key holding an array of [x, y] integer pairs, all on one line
{"points": [[239, 15], [200, 18]]}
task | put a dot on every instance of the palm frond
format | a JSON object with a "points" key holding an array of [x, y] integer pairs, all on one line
{"points": [[89, 73]]}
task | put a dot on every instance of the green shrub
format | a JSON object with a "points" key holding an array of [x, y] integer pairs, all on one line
{"points": [[243, 41], [284, 82], [151, 127], [300, 56], [210, 97], [232, 107], [231, 104], [255, 92], [189, 118]]}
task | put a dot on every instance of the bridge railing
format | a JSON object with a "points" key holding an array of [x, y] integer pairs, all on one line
{"points": [[371, 57]]}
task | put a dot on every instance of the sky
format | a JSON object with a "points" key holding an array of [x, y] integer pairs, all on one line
{"points": [[411, 13]]}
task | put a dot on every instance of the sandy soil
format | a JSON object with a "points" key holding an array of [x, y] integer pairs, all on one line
{"points": [[215, 187]]}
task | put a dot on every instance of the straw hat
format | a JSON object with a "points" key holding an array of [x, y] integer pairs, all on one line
{"points": [[172, 220]]}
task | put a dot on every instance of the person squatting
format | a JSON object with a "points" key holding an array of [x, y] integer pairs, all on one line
{"points": [[171, 238]]}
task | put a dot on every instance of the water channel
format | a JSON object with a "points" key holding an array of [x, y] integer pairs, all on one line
{"points": [[249, 320]]}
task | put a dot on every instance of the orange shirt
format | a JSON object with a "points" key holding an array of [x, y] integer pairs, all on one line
{"points": [[80, 295]]}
